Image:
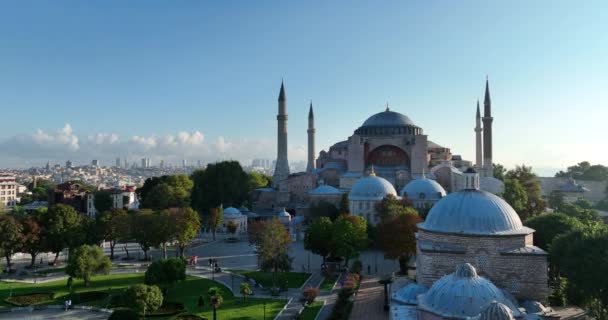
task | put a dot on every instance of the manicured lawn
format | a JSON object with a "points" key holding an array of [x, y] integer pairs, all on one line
{"points": [[295, 279], [186, 292], [329, 281], [310, 312]]}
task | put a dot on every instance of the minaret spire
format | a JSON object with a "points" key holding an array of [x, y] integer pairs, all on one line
{"points": [[281, 170], [487, 133], [478, 140], [311, 140]]}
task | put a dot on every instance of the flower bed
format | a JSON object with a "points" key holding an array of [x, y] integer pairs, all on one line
{"points": [[29, 299]]}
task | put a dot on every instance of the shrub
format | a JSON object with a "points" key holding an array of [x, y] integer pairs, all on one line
{"points": [[189, 316], [166, 272], [29, 299], [89, 296], [309, 295], [356, 266], [144, 298], [167, 309]]}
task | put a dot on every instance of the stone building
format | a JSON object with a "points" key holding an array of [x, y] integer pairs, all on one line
{"points": [[366, 194], [477, 227], [423, 192], [234, 215]]}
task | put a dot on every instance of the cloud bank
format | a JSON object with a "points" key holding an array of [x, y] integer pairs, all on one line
{"points": [[57, 146]]}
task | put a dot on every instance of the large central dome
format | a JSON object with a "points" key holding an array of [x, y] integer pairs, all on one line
{"points": [[388, 119]]}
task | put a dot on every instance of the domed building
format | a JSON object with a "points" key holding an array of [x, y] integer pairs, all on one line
{"points": [[235, 216], [477, 227], [366, 194], [423, 192]]}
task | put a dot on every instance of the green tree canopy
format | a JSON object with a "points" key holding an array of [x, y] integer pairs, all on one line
{"points": [[391, 207], [148, 230], [550, 226], [585, 216], [144, 298], [32, 237], [166, 192], [581, 256], [499, 171], [186, 224], [41, 190], [529, 181], [113, 225], [166, 272], [273, 244], [214, 219], [323, 208], [62, 226], [349, 237], [223, 183], [11, 236], [515, 195], [585, 171], [344, 206], [103, 201], [86, 260], [259, 180], [318, 237]]}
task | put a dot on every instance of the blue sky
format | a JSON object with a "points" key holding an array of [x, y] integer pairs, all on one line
{"points": [[200, 79]]}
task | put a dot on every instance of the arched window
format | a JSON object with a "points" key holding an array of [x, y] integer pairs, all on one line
{"points": [[422, 195]]}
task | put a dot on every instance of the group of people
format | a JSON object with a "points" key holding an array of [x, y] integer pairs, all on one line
{"points": [[67, 304], [213, 264]]}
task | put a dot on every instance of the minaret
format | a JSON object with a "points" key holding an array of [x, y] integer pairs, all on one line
{"points": [[311, 140], [281, 170], [487, 133], [478, 140]]}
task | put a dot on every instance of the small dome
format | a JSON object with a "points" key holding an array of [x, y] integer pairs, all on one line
{"points": [[473, 212], [371, 188], [463, 294], [423, 189], [496, 311], [324, 190], [232, 212], [388, 119], [491, 185], [409, 294], [284, 214], [243, 209]]}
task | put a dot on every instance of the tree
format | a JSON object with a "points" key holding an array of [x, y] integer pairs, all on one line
{"points": [[32, 237], [245, 290], [2, 208], [41, 189], [11, 236], [231, 227], [323, 208], [529, 181], [86, 260], [215, 219], [585, 171], [254, 232], [158, 198], [215, 299], [186, 224], [318, 237], [581, 256], [62, 226], [556, 200], [515, 195], [147, 230], [258, 180], [221, 183], [273, 245], [166, 192], [585, 216], [391, 207], [349, 237], [165, 272], [113, 225], [144, 298], [499, 171], [344, 206], [550, 226], [397, 238], [103, 200]]}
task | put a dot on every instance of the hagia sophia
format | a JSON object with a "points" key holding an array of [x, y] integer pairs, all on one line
{"points": [[474, 257]]}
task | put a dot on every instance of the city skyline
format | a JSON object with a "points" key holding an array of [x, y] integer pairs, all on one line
{"points": [[194, 86]]}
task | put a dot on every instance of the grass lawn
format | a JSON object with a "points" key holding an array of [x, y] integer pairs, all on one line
{"points": [[329, 281], [310, 312], [295, 279], [186, 292]]}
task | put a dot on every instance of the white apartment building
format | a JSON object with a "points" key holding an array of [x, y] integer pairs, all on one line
{"points": [[9, 195]]}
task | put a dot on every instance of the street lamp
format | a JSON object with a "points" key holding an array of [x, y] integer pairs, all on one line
{"points": [[308, 261], [388, 279]]}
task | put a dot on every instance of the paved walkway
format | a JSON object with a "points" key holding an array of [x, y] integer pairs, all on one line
{"points": [[369, 303], [55, 315]]}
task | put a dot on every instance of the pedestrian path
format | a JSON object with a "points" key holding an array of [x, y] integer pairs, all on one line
{"points": [[369, 302], [294, 306]]}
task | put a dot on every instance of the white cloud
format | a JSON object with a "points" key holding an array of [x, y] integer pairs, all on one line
{"points": [[63, 137]]}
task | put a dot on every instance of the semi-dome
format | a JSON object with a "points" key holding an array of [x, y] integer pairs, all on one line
{"points": [[371, 188], [423, 189], [496, 311], [324, 190], [463, 294], [231, 212], [474, 212], [388, 119]]}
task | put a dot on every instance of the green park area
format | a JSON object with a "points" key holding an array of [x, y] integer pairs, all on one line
{"points": [[103, 289], [329, 281], [311, 311], [294, 279]]}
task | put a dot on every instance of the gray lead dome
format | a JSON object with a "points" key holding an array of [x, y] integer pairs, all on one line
{"points": [[474, 212], [388, 119]]}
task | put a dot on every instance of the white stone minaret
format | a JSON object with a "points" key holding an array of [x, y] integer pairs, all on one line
{"points": [[487, 133], [281, 171], [311, 140], [478, 141]]}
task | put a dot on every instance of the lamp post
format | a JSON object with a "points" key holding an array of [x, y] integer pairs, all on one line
{"points": [[388, 279], [308, 261]]}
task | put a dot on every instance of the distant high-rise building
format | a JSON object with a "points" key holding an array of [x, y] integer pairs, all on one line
{"points": [[184, 163], [126, 163], [143, 162], [117, 162], [48, 166], [162, 163], [95, 163], [198, 163], [68, 164]]}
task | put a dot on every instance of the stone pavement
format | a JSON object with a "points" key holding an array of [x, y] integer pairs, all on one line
{"points": [[369, 303]]}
